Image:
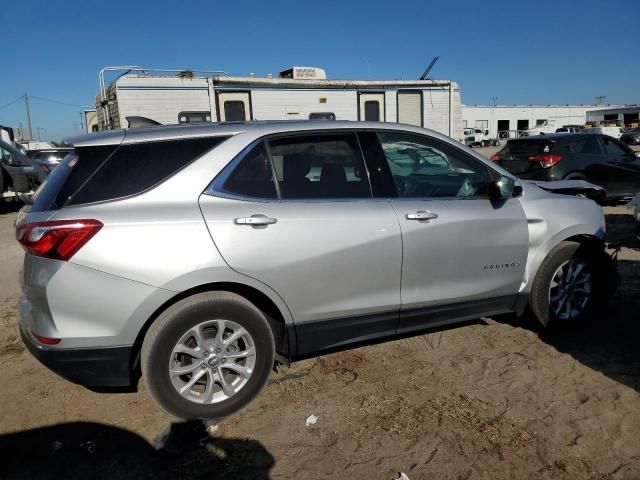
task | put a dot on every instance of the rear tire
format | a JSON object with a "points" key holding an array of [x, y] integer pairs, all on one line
{"points": [[567, 286], [185, 348]]}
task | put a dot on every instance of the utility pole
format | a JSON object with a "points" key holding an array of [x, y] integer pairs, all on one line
{"points": [[26, 105], [39, 128], [600, 98]]}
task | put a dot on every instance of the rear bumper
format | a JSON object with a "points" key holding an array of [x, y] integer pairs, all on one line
{"points": [[96, 368]]}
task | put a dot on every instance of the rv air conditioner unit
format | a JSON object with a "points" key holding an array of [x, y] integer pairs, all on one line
{"points": [[304, 73]]}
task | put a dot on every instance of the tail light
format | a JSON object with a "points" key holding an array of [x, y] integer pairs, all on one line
{"points": [[546, 160], [495, 157], [45, 340], [59, 239]]}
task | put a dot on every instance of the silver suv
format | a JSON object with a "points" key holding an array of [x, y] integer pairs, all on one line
{"points": [[201, 255]]}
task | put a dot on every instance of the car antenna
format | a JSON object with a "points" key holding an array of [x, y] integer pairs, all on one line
{"points": [[139, 122]]}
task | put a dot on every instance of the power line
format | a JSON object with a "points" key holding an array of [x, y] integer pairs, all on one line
{"points": [[11, 103], [56, 101]]}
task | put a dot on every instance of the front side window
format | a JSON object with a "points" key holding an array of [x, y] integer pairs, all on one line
{"points": [[319, 166], [422, 167]]}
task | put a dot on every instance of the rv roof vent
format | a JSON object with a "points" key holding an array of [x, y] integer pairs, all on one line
{"points": [[304, 73]]}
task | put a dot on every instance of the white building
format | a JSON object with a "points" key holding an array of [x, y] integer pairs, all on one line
{"points": [[298, 93], [504, 121], [627, 115]]}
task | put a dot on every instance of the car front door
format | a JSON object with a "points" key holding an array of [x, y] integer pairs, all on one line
{"points": [[464, 255], [314, 235]]}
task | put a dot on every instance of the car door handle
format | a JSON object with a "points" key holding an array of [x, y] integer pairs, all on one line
{"points": [[421, 215], [255, 220]]}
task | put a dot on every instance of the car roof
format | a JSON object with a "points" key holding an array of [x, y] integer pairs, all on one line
{"points": [[186, 130]]}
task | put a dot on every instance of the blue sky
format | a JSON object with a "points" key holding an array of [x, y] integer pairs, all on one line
{"points": [[533, 51]]}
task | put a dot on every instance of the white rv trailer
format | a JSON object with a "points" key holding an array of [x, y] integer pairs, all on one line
{"points": [[298, 93]]}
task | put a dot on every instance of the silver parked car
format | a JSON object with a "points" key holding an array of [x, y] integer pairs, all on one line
{"points": [[200, 255]]}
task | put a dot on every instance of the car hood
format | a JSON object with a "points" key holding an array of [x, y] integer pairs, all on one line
{"points": [[573, 187]]}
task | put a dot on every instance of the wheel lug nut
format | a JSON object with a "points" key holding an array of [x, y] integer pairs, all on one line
{"points": [[218, 350], [223, 360], [206, 354]]}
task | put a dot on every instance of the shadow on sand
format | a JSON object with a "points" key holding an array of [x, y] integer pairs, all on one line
{"points": [[81, 450]]}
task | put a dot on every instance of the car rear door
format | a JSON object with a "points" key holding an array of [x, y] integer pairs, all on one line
{"points": [[463, 255], [315, 236], [624, 167]]}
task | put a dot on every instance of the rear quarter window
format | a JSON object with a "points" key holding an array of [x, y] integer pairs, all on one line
{"points": [[102, 173], [135, 168]]}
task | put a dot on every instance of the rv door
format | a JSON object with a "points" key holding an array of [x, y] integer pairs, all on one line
{"points": [[234, 106], [371, 107]]}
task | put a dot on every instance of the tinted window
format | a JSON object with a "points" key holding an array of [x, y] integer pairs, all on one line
{"points": [[590, 146], [234, 111], [134, 168], [320, 166], [67, 177], [614, 150], [422, 167], [249, 175], [524, 147], [372, 111]]}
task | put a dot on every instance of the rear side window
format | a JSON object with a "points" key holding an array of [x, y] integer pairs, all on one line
{"points": [[320, 166], [101, 173], [590, 146], [250, 175]]}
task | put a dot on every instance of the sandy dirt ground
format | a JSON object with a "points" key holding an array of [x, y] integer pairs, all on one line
{"points": [[491, 399]]}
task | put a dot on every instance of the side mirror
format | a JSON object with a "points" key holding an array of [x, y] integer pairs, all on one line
{"points": [[503, 188]]}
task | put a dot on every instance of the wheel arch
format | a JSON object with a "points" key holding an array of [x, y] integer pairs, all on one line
{"points": [[280, 322]]}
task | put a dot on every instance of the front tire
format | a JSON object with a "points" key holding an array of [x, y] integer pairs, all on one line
{"points": [[566, 285], [207, 356]]}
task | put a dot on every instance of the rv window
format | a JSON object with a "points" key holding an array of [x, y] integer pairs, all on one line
{"points": [[320, 166], [372, 111], [322, 116], [194, 117], [234, 111]]}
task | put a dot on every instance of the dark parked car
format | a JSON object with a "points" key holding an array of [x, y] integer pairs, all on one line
{"points": [[631, 137], [18, 172], [595, 158], [50, 158]]}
